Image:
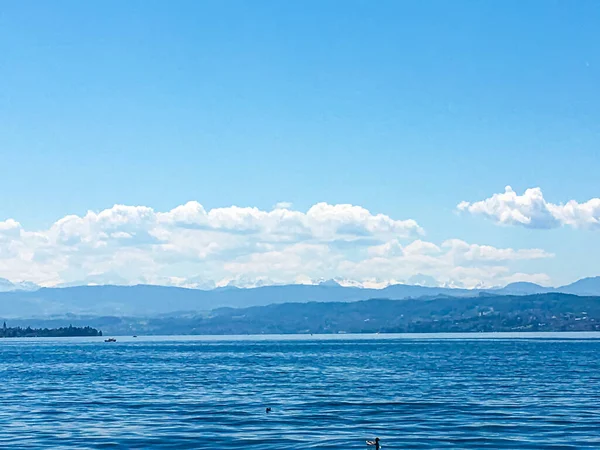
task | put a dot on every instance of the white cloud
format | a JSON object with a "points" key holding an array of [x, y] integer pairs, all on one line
{"points": [[9, 226], [391, 248], [190, 246], [462, 251], [420, 247], [454, 263], [531, 210]]}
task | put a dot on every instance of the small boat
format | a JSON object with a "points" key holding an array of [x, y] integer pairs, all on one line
{"points": [[110, 340]]}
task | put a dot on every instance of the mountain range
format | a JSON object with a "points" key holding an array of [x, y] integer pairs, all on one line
{"points": [[553, 312], [150, 300], [9, 286]]}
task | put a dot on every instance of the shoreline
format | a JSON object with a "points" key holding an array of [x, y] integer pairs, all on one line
{"points": [[558, 335]]}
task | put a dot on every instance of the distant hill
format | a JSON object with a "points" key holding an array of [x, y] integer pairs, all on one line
{"points": [[538, 312], [146, 300], [585, 286], [486, 313], [524, 288]]}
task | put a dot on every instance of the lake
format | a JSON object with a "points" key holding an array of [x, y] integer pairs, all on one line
{"points": [[328, 392]]}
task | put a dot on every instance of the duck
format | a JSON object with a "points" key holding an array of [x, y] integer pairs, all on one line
{"points": [[374, 443]]}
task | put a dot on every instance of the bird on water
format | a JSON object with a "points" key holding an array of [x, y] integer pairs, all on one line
{"points": [[268, 410], [375, 443]]}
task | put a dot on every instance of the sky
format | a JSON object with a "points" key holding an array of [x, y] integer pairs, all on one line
{"points": [[207, 143]]}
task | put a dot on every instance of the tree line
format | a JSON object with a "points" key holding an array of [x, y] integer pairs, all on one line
{"points": [[70, 331]]}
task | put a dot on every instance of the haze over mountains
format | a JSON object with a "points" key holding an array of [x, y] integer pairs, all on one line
{"points": [[9, 286], [553, 312], [25, 301]]}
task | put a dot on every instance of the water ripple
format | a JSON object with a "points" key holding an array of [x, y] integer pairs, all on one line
{"points": [[326, 394]]}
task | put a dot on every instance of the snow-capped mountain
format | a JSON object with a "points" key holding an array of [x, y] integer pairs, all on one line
{"points": [[9, 286]]}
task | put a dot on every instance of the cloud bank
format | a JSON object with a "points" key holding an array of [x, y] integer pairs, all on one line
{"points": [[245, 246], [531, 210]]}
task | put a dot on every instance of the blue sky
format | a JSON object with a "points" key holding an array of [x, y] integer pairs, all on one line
{"points": [[402, 108]]}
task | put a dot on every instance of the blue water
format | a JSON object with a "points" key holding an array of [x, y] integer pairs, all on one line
{"points": [[325, 393]]}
